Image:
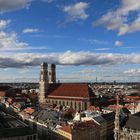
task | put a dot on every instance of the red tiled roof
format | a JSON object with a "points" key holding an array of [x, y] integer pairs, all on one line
{"points": [[132, 97], [129, 106], [79, 127], [114, 107], [29, 110], [93, 108], [67, 129], [2, 93], [66, 98], [70, 90]]}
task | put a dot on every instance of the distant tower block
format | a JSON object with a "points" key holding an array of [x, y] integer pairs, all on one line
{"points": [[51, 73], [43, 83]]}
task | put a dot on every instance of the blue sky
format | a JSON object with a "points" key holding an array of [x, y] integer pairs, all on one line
{"points": [[86, 39]]}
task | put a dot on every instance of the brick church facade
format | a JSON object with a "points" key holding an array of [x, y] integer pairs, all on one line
{"points": [[78, 96]]}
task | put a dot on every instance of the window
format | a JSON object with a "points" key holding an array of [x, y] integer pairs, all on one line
{"points": [[59, 102], [75, 105], [34, 137], [71, 104], [30, 137], [63, 103], [79, 106], [85, 106], [56, 102]]}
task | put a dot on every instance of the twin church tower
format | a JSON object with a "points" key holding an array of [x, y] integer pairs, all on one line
{"points": [[47, 76], [78, 96]]}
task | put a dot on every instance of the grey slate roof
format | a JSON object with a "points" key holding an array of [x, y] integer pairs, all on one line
{"points": [[133, 122], [109, 116], [99, 119], [44, 115]]}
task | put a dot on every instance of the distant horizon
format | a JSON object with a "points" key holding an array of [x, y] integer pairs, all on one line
{"points": [[71, 81]]}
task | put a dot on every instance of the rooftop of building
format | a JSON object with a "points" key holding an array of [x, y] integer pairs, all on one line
{"points": [[137, 114], [4, 88], [51, 118], [123, 109], [109, 117], [2, 93], [11, 127], [44, 115], [14, 132], [133, 122], [70, 90], [79, 127]]}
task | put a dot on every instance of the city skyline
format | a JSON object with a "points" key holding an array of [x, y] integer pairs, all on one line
{"points": [[86, 39]]}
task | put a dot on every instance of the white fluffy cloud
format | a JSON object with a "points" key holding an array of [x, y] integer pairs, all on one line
{"points": [[76, 11], [30, 30], [10, 5], [119, 19], [9, 40], [68, 58], [133, 72], [3, 24], [118, 43]]}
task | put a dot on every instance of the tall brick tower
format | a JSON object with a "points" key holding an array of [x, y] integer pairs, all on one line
{"points": [[43, 82], [51, 73]]}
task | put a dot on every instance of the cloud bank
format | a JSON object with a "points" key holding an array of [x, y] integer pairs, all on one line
{"points": [[20, 60], [133, 72]]}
